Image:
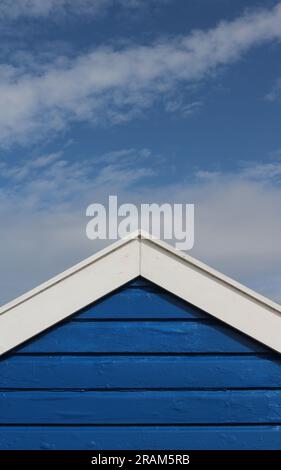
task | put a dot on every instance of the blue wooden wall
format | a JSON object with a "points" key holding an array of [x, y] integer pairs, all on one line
{"points": [[140, 369]]}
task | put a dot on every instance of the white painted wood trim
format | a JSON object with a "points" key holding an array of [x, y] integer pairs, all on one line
{"points": [[140, 254], [212, 292], [208, 270], [64, 295]]}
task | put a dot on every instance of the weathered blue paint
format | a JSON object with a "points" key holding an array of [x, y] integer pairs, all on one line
{"points": [[140, 302], [141, 407], [141, 337], [140, 372], [140, 437], [140, 358]]}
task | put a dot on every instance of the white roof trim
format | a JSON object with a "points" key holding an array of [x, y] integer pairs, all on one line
{"points": [[140, 255]]}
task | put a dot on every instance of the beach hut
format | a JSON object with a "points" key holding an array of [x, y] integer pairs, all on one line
{"points": [[140, 347]]}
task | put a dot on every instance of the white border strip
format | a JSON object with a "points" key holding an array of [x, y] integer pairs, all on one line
{"points": [[211, 271], [66, 294], [212, 292]]}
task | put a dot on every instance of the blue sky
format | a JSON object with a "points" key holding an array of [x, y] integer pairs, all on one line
{"points": [[152, 100]]}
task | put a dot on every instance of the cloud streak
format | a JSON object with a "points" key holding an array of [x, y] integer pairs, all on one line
{"points": [[113, 85], [275, 92]]}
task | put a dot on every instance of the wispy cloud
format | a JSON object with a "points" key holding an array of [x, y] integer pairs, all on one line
{"points": [[265, 172], [53, 179], [176, 105], [275, 92], [43, 221], [110, 85]]}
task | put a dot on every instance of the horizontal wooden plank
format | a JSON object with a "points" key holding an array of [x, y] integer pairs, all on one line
{"points": [[165, 407], [141, 303], [141, 282], [141, 438], [152, 372], [141, 337]]}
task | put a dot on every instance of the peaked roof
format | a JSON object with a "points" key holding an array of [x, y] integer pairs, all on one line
{"points": [[140, 255]]}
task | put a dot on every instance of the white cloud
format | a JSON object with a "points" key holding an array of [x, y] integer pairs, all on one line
{"points": [[50, 180], [238, 224], [263, 171], [177, 105], [114, 85], [275, 93]]}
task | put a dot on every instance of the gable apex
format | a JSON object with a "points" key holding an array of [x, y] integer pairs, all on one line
{"points": [[140, 254]]}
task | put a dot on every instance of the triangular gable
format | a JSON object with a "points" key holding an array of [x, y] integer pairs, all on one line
{"points": [[140, 255], [140, 320]]}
